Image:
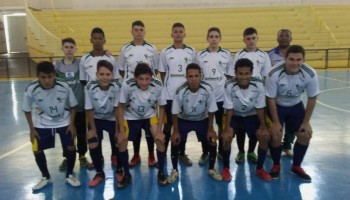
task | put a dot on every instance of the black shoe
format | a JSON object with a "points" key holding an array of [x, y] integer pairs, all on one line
{"points": [[297, 170], [162, 179], [275, 171], [124, 182]]}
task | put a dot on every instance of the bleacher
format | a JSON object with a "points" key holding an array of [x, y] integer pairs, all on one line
{"points": [[314, 27]]}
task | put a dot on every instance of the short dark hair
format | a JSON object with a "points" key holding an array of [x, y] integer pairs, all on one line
{"points": [[193, 66], [249, 31], [69, 40], [137, 23], [284, 30], [295, 49], [142, 68], [106, 64], [213, 29], [244, 62], [45, 67], [177, 24], [97, 30]]}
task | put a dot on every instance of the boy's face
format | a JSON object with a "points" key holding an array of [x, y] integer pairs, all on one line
{"points": [[284, 38], [250, 41], [143, 81], [243, 75], [138, 32], [178, 34], [214, 39], [193, 77], [294, 62], [69, 49], [104, 76], [97, 41], [46, 80]]}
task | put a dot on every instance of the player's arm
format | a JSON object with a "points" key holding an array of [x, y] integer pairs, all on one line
{"points": [[121, 111], [211, 133], [82, 73], [161, 116], [71, 126], [32, 132], [305, 126], [276, 125], [175, 136], [121, 63], [162, 76], [91, 122], [227, 133], [116, 122]]}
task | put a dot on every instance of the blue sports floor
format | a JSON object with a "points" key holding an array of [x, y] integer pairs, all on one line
{"points": [[327, 160]]}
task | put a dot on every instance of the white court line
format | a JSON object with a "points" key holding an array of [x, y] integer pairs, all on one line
{"points": [[333, 79], [332, 107], [14, 150]]}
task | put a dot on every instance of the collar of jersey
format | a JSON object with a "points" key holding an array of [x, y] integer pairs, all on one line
{"points": [[65, 63], [133, 44], [92, 54], [217, 51], [183, 47], [50, 87]]}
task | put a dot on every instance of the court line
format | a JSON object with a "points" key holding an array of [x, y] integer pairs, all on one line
{"points": [[334, 79], [332, 107], [14, 150]]}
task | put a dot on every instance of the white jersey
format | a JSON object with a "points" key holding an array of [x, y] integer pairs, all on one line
{"points": [[194, 106], [244, 102], [275, 56], [141, 104], [173, 62], [51, 106], [287, 89], [214, 66], [102, 102], [131, 54], [260, 59], [88, 66]]}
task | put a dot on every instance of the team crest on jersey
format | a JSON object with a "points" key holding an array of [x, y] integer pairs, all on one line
{"points": [[146, 56], [95, 99], [300, 88], [186, 60], [131, 55], [171, 58], [205, 61], [200, 101], [110, 98], [59, 99]]}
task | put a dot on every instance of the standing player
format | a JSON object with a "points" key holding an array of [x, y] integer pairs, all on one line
{"points": [[172, 66], [54, 112], [285, 84], [193, 110], [277, 55], [262, 64], [88, 64], [138, 107], [68, 70], [244, 104], [214, 62], [101, 102], [139, 51]]}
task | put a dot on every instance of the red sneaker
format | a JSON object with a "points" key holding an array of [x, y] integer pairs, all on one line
{"points": [[263, 174], [99, 177], [114, 161], [151, 160], [119, 175], [226, 175], [136, 159], [275, 171], [297, 170]]}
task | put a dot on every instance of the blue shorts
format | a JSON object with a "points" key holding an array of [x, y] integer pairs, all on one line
{"points": [[47, 138], [200, 127], [104, 125], [292, 116], [249, 123], [134, 127]]}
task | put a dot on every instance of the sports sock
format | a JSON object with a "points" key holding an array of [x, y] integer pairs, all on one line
{"points": [[124, 158], [276, 154], [261, 158], [40, 160], [299, 153], [71, 156]]}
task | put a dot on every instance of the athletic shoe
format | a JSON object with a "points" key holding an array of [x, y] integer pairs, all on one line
{"points": [[263, 174], [240, 157], [136, 159], [63, 165], [71, 180], [114, 161], [252, 157], [275, 171], [173, 176], [297, 170], [42, 183], [119, 175], [185, 160], [84, 162], [219, 156], [288, 152], [203, 159], [162, 179], [151, 160], [214, 174], [226, 175], [99, 177], [124, 182]]}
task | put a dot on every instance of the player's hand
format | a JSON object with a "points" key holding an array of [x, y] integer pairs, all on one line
{"points": [[211, 136], [226, 136], [160, 137], [175, 138], [276, 129], [32, 135], [73, 131], [121, 137], [263, 134], [305, 128]]}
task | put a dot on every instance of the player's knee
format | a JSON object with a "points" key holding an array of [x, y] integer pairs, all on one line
{"points": [[227, 145], [92, 142], [303, 139]]}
